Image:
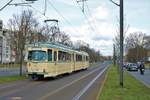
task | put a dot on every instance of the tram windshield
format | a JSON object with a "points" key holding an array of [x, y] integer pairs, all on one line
{"points": [[37, 55]]}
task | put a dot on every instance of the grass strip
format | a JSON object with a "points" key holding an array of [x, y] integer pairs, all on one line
{"points": [[7, 79], [133, 89]]}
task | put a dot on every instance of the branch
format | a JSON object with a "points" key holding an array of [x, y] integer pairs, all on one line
{"points": [[115, 3]]}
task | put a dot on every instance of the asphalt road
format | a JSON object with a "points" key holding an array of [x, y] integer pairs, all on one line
{"points": [[145, 79], [83, 85]]}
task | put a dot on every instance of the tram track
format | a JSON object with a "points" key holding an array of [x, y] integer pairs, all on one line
{"points": [[75, 85], [17, 87], [45, 89]]}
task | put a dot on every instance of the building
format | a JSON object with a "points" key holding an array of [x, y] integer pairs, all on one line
{"points": [[147, 46], [5, 52]]}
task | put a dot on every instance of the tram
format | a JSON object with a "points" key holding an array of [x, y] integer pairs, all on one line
{"points": [[52, 59]]}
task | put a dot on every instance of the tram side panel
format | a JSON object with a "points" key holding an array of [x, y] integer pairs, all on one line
{"points": [[78, 63], [64, 64], [51, 69], [86, 64]]}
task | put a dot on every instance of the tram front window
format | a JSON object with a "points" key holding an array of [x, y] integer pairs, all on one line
{"points": [[37, 55]]}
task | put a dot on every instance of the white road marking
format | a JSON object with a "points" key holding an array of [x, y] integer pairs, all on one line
{"points": [[16, 98], [77, 97], [61, 88]]}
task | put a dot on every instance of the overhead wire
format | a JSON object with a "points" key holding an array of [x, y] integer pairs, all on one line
{"points": [[61, 15], [90, 25], [91, 15], [44, 14], [94, 19], [38, 11]]}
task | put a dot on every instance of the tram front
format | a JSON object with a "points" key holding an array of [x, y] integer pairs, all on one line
{"points": [[37, 63]]}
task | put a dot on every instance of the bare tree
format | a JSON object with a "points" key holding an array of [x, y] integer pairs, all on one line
{"points": [[134, 40], [134, 43], [116, 39], [94, 55], [21, 30], [53, 34]]}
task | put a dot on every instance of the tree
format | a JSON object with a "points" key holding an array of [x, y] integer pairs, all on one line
{"points": [[53, 34], [21, 30], [94, 56], [134, 40], [116, 39], [134, 44], [136, 54]]}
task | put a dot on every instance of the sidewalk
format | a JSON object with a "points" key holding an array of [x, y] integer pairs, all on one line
{"points": [[145, 79]]}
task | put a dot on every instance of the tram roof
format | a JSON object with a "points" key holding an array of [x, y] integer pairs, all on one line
{"points": [[56, 45]]}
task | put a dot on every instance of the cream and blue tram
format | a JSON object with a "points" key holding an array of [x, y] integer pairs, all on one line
{"points": [[51, 59]]}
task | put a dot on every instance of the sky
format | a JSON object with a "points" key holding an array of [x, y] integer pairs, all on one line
{"points": [[97, 26]]}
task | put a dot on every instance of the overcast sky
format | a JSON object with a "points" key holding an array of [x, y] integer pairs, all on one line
{"points": [[102, 14]]}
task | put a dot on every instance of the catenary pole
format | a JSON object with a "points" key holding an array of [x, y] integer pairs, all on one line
{"points": [[121, 42], [121, 38]]}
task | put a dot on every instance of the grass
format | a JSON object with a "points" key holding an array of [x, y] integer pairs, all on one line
{"points": [[7, 79], [133, 89]]}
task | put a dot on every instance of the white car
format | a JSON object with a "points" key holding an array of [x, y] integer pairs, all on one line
{"points": [[132, 67]]}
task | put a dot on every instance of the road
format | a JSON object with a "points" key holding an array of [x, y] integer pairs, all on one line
{"points": [[83, 85], [145, 79]]}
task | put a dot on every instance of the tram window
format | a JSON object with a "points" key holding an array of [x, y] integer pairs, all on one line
{"points": [[49, 55], [37, 55], [61, 55], [55, 56], [87, 58], [68, 57], [78, 58], [64, 56], [84, 58]]}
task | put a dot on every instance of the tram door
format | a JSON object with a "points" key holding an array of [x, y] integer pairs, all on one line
{"points": [[55, 62], [55, 57]]}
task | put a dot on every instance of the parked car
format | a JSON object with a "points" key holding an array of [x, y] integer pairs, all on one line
{"points": [[132, 67]]}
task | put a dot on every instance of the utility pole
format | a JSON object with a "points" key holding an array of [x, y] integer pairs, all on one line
{"points": [[121, 38], [121, 42], [83, 3]]}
